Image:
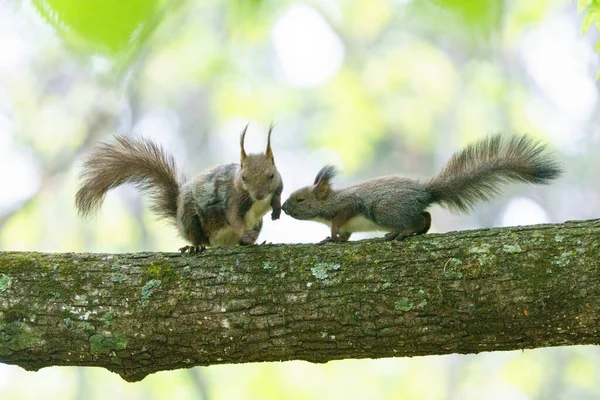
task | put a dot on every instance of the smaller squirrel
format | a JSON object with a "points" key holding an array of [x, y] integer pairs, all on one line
{"points": [[222, 206], [397, 205]]}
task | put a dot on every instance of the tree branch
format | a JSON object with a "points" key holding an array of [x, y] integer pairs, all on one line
{"points": [[462, 292]]}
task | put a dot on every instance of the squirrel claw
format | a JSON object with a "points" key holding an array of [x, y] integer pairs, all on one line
{"points": [[328, 239], [390, 236], [275, 214], [192, 249], [399, 236]]}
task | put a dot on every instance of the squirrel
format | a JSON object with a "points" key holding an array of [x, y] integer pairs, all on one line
{"points": [[222, 206], [397, 204]]}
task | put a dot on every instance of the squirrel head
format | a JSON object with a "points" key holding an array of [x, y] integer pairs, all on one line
{"points": [[258, 174], [307, 203]]}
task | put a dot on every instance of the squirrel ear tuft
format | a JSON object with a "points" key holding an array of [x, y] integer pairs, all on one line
{"points": [[323, 182], [243, 152], [327, 173], [269, 152]]}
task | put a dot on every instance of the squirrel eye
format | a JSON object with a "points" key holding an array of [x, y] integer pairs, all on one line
{"points": [[244, 178], [272, 176], [300, 200]]}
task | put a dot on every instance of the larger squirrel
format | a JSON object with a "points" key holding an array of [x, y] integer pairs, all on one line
{"points": [[397, 205], [222, 206]]}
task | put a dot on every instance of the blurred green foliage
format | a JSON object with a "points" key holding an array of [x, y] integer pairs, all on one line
{"points": [[484, 15], [592, 17]]}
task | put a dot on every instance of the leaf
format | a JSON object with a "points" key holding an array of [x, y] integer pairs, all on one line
{"points": [[111, 27]]}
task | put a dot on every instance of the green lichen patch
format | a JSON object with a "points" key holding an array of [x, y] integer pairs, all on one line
{"points": [[558, 238], [321, 270], [117, 278], [484, 259], [404, 304], [106, 318], [564, 259], [5, 282], [84, 326], [17, 336], [511, 248], [267, 265], [386, 285], [104, 343], [150, 287], [453, 275], [450, 269], [483, 249], [453, 262]]}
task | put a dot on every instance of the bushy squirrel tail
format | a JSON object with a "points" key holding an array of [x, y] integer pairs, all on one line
{"points": [[138, 161], [476, 172]]}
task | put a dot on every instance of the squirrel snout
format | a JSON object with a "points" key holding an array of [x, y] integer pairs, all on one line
{"points": [[284, 207]]}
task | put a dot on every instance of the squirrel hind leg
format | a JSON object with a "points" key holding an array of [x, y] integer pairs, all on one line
{"points": [[192, 230], [426, 223], [419, 228]]}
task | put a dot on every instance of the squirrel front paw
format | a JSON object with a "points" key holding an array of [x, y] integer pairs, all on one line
{"points": [[276, 214], [249, 237]]}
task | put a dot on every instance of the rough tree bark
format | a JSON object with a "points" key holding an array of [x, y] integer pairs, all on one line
{"points": [[463, 292]]}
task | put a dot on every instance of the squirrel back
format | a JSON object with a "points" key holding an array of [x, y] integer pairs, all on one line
{"points": [[140, 162]]}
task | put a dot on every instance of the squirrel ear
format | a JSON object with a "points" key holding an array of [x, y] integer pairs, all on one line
{"points": [[327, 173], [269, 152], [321, 190], [243, 153], [323, 182]]}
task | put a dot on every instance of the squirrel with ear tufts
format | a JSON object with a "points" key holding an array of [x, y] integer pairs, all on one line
{"points": [[397, 205], [222, 206]]}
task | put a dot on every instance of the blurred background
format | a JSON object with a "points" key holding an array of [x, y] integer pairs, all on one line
{"points": [[373, 86]]}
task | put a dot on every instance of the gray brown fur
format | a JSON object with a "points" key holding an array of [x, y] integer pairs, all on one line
{"points": [[222, 206], [397, 205], [140, 162]]}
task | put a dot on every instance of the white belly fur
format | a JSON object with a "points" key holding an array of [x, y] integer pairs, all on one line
{"points": [[357, 224], [362, 224], [256, 212]]}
